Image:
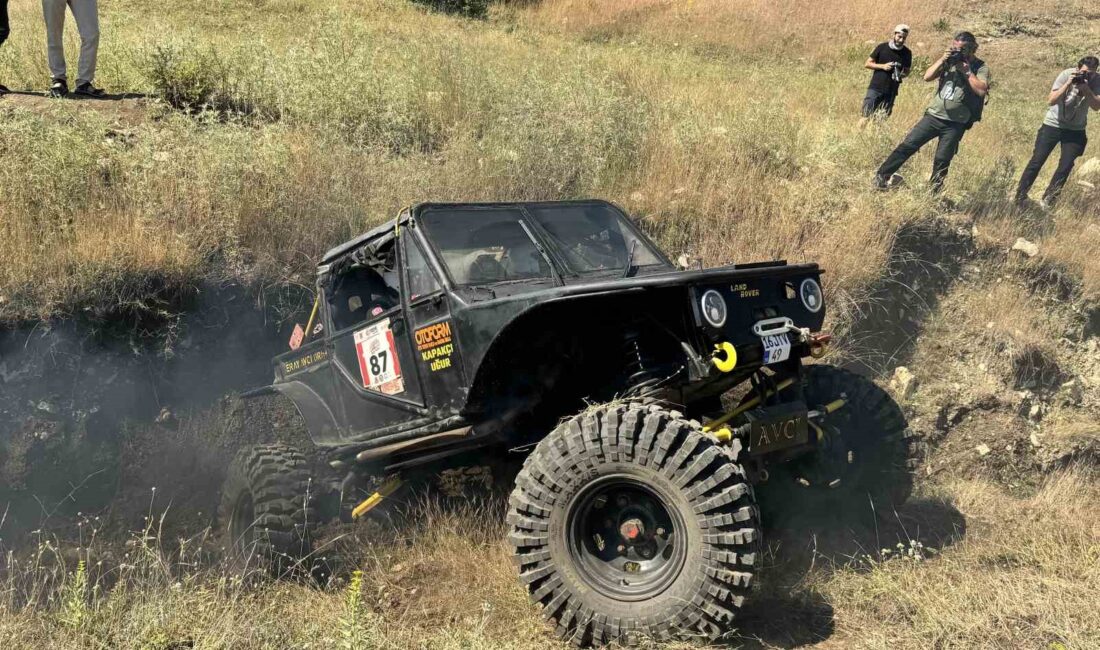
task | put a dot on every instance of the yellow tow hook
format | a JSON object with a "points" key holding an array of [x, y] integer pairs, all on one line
{"points": [[384, 490], [725, 356], [819, 344]]}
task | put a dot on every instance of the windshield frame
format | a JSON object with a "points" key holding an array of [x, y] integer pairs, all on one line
{"points": [[543, 240], [557, 246]]}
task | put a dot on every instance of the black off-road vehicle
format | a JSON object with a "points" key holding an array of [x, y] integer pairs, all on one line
{"points": [[647, 400]]}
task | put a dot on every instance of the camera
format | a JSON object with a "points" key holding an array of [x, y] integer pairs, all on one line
{"points": [[954, 57], [1080, 77]]}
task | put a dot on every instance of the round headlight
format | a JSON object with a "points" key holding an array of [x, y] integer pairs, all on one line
{"points": [[714, 308], [811, 295]]}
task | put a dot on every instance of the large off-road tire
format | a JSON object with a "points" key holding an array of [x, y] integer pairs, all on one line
{"points": [[268, 509], [868, 454], [629, 521]]}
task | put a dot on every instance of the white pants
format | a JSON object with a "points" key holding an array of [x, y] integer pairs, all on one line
{"points": [[86, 14]]}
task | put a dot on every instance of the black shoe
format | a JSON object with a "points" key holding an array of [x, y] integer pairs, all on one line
{"points": [[59, 88], [88, 90], [881, 183], [4, 89]]}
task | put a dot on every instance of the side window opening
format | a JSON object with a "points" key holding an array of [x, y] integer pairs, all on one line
{"points": [[422, 280], [366, 289]]}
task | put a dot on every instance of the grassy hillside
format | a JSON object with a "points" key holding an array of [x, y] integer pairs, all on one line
{"points": [[323, 118], [258, 134]]}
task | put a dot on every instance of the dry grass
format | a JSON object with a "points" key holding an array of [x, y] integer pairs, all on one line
{"points": [[323, 118], [1023, 577], [330, 117], [1007, 573]]}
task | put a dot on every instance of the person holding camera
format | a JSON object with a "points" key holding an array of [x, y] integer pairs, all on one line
{"points": [[890, 62], [956, 106], [1075, 91]]}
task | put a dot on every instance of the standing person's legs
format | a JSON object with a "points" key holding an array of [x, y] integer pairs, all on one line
{"points": [[887, 105], [875, 104], [946, 149], [86, 14], [5, 28], [1045, 140], [926, 129], [54, 13], [1073, 146]]}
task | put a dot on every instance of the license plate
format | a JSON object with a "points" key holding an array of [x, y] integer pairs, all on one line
{"points": [[777, 347], [778, 429]]}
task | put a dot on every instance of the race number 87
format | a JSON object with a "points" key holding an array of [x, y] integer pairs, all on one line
{"points": [[378, 363]]}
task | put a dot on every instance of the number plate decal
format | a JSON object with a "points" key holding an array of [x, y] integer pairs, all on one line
{"points": [[777, 347], [378, 364]]}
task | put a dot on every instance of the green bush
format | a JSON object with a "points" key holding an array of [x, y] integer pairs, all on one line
{"points": [[185, 78]]}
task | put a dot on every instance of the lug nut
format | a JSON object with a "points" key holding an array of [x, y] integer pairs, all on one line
{"points": [[622, 501], [660, 532]]}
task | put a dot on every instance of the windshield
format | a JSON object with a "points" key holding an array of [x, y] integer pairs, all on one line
{"points": [[593, 238], [483, 246]]}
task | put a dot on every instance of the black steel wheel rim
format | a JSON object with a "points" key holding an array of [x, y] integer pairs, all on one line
{"points": [[840, 460], [625, 540]]}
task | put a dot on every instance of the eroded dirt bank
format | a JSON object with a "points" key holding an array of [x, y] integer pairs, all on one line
{"points": [[94, 415]]}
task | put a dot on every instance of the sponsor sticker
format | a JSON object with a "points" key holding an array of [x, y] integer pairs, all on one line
{"points": [[435, 345], [297, 336], [378, 363], [303, 362]]}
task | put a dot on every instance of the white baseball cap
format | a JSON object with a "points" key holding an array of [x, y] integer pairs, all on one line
{"points": [[903, 28]]}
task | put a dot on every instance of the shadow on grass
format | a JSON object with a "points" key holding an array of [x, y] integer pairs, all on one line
{"points": [[106, 97], [785, 611]]}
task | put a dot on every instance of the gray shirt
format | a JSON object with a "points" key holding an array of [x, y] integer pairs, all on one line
{"points": [[954, 93], [1072, 111]]}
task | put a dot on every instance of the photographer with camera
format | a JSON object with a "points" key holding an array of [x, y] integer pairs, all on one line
{"points": [[1075, 91], [891, 62], [956, 106]]}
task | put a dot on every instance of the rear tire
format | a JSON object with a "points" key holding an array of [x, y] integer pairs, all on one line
{"points": [[868, 456], [268, 509], [629, 521]]}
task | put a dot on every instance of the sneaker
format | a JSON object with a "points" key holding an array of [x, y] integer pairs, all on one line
{"points": [[881, 183], [88, 90], [59, 88], [4, 89]]}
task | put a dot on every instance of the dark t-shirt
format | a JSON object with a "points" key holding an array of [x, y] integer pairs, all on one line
{"points": [[882, 80]]}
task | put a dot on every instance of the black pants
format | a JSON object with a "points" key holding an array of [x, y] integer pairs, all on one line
{"points": [[5, 29], [929, 127], [1073, 145], [878, 100]]}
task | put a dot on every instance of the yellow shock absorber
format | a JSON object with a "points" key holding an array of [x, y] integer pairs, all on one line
{"points": [[384, 490], [710, 426]]}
